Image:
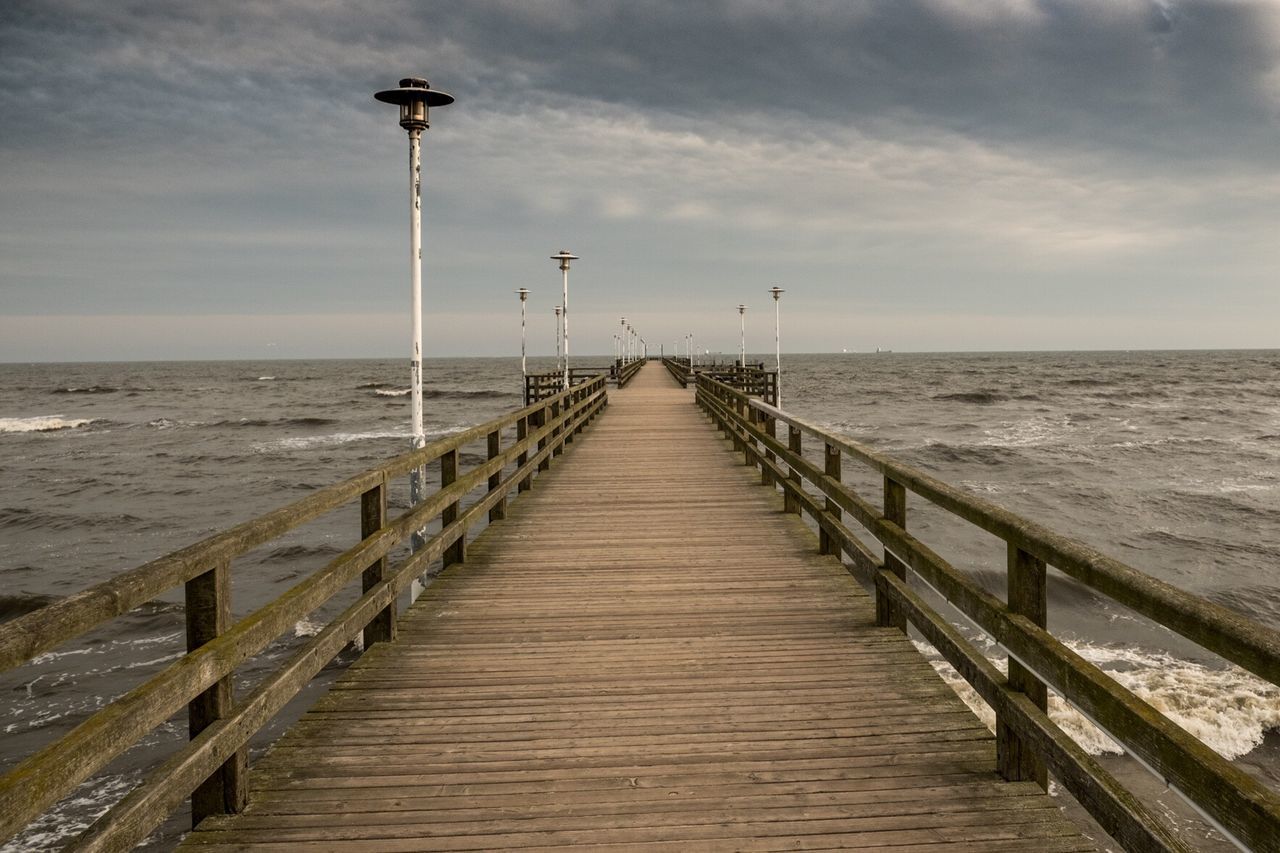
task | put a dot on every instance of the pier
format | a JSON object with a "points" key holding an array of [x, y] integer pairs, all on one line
{"points": [[656, 641]]}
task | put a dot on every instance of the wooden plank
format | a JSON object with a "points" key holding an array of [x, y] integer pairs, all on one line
{"points": [[646, 653]]}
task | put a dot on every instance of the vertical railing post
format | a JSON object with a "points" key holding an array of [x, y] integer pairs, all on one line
{"points": [[558, 447], [373, 515], [522, 432], [770, 424], [828, 544], [499, 510], [790, 502], [456, 552], [1028, 596], [895, 511], [208, 611], [545, 464], [748, 412]]}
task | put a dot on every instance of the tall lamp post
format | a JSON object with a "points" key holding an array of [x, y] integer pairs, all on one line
{"points": [[415, 97], [622, 341], [742, 345], [558, 362], [777, 342], [523, 293], [564, 258]]}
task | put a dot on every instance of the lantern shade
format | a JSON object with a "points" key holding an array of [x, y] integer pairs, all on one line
{"points": [[414, 97]]}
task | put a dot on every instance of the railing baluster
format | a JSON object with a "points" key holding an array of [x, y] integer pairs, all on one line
{"points": [[827, 544], [457, 552], [499, 510], [895, 511], [794, 443], [1028, 596], [373, 515], [522, 432], [771, 429], [558, 446], [208, 611], [545, 464]]}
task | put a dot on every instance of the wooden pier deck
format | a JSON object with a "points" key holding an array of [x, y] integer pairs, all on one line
{"points": [[646, 653]]}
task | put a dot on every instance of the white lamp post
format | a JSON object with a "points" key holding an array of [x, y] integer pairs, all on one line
{"points": [[777, 341], [415, 97], [558, 362], [524, 365], [622, 343], [742, 345], [564, 258]]}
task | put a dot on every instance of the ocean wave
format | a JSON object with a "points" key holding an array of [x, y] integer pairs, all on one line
{"points": [[43, 423], [977, 398], [12, 606], [22, 518], [307, 442], [277, 422], [392, 392], [287, 553], [464, 394], [1228, 709], [92, 389]]}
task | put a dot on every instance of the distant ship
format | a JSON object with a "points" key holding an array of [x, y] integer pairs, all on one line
{"points": [[883, 350]]}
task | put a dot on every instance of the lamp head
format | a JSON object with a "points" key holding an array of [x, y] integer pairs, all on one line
{"points": [[524, 293], [776, 291], [742, 309], [414, 97], [564, 257]]}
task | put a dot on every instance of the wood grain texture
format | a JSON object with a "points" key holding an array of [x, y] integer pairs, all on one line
{"points": [[646, 653]]}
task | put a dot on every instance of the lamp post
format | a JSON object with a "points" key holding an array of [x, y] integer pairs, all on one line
{"points": [[564, 258], [777, 342], [558, 339], [622, 343], [524, 365], [742, 345], [415, 97]]}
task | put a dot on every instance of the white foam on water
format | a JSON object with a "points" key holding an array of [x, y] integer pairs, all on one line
{"points": [[1227, 709], [306, 628], [392, 392], [42, 423], [306, 442], [53, 829]]}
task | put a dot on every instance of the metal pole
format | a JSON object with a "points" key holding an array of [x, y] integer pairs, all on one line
{"points": [[565, 270], [742, 344], [524, 365], [419, 438], [777, 342], [558, 363]]}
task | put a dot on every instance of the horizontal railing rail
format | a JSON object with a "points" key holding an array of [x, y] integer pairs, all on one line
{"points": [[679, 368], [1029, 743], [210, 768]]}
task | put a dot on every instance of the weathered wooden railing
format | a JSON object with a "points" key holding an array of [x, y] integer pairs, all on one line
{"points": [[679, 368], [211, 767], [540, 386], [1028, 741], [625, 371]]}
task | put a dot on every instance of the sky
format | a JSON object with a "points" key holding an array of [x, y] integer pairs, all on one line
{"points": [[215, 180]]}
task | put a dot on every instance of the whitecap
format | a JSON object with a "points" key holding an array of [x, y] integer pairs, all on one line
{"points": [[392, 392], [42, 423], [1227, 709]]}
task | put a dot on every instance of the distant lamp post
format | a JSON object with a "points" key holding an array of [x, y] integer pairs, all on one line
{"points": [[564, 258], [742, 341], [777, 341], [622, 341], [523, 293], [558, 362], [415, 97]]}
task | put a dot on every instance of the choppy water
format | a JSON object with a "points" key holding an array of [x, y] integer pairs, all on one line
{"points": [[1169, 461]]}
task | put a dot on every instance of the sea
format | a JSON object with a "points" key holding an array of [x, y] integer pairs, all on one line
{"points": [[1168, 461]]}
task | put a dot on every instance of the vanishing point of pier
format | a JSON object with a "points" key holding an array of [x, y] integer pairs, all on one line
{"points": [[646, 647]]}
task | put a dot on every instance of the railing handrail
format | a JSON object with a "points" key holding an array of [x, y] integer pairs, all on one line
{"points": [[1223, 631], [1028, 741], [28, 635], [53, 771]]}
